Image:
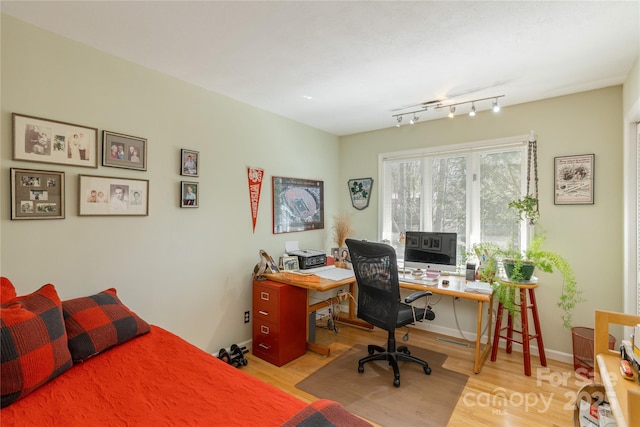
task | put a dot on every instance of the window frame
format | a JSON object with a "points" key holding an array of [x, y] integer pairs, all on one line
{"points": [[473, 231]]}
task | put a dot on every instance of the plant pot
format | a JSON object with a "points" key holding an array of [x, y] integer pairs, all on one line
{"points": [[525, 271]]}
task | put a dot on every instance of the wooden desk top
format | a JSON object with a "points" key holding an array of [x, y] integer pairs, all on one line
{"points": [[455, 288], [321, 286]]}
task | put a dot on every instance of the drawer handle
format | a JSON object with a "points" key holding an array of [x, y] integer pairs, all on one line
{"points": [[264, 346], [264, 313], [264, 296], [264, 329]]}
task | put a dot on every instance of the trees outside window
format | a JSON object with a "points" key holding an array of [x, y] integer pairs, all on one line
{"points": [[466, 191]]}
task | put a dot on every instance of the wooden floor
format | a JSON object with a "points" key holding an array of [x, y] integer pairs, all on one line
{"points": [[500, 395]]}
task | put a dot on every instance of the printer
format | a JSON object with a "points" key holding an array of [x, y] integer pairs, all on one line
{"points": [[308, 258]]}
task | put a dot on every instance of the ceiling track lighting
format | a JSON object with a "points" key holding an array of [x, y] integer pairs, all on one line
{"points": [[452, 108]]}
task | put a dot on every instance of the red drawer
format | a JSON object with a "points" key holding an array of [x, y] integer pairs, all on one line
{"points": [[266, 341], [266, 303]]}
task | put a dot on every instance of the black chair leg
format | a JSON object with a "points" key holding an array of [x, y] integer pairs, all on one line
{"points": [[372, 348]]}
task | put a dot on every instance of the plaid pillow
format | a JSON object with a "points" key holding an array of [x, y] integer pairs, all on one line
{"points": [[99, 322], [34, 343], [7, 291]]}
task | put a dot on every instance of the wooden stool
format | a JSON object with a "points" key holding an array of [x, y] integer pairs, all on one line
{"points": [[521, 306]]}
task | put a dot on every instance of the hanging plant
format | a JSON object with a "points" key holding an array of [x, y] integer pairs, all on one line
{"points": [[527, 208]]}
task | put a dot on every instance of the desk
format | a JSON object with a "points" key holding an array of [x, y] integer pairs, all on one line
{"points": [[623, 395], [456, 290], [322, 286]]}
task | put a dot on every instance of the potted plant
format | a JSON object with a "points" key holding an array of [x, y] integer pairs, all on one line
{"points": [[527, 208], [341, 231], [520, 266]]}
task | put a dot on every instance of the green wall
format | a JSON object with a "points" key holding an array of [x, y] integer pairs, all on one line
{"points": [[589, 236], [187, 270]]}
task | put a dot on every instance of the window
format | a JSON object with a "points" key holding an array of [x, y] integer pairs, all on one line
{"points": [[464, 189]]}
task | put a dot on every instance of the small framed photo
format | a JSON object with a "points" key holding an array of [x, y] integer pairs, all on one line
{"points": [[124, 151], [37, 194], [111, 196], [344, 255], [189, 162], [189, 197], [574, 180], [49, 141], [290, 263]]}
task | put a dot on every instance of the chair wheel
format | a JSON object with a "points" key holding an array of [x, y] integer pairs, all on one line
{"points": [[396, 382], [427, 370], [371, 351], [360, 368], [407, 352]]}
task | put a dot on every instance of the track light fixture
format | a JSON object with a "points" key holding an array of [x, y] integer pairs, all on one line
{"points": [[496, 107], [437, 105]]}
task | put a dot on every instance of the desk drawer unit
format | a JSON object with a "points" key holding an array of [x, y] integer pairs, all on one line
{"points": [[279, 322]]}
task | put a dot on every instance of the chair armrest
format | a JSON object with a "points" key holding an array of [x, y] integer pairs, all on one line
{"points": [[414, 296]]}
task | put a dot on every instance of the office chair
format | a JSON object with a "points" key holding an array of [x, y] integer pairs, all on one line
{"points": [[376, 271]]}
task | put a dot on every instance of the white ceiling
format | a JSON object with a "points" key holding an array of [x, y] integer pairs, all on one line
{"points": [[348, 66]]}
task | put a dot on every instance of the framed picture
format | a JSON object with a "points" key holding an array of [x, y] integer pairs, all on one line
{"points": [[573, 180], [189, 195], [344, 255], [290, 263], [189, 162], [111, 196], [298, 205], [360, 192], [124, 151], [37, 194], [49, 141]]}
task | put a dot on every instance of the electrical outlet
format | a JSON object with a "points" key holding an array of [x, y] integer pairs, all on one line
{"points": [[247, 317]]}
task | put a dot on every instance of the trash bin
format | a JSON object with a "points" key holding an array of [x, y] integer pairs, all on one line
{"points": [[583, 348]]}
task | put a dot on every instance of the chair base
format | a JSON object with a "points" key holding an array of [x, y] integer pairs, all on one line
{"points": [[401, 354]]}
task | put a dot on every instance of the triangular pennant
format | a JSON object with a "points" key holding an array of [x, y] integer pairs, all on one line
{"points": [[255, 186]]}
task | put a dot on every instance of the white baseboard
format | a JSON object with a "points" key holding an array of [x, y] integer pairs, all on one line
{"points": [[471, 337]]}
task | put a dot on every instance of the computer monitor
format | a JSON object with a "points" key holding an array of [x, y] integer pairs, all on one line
{"points": [[430, 250]]}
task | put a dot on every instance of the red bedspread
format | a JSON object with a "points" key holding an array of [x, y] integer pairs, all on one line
{"points": [[157, 379]]}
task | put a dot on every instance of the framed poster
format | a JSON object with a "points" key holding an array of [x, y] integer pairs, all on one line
{"points": [[298, 205], [110, 196], [189, 162], [37, 194], [573, 180], [124, 151], [49, 141], [189, 195]]}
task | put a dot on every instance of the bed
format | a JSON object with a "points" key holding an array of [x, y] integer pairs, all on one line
{"points": [[106, 366]]}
